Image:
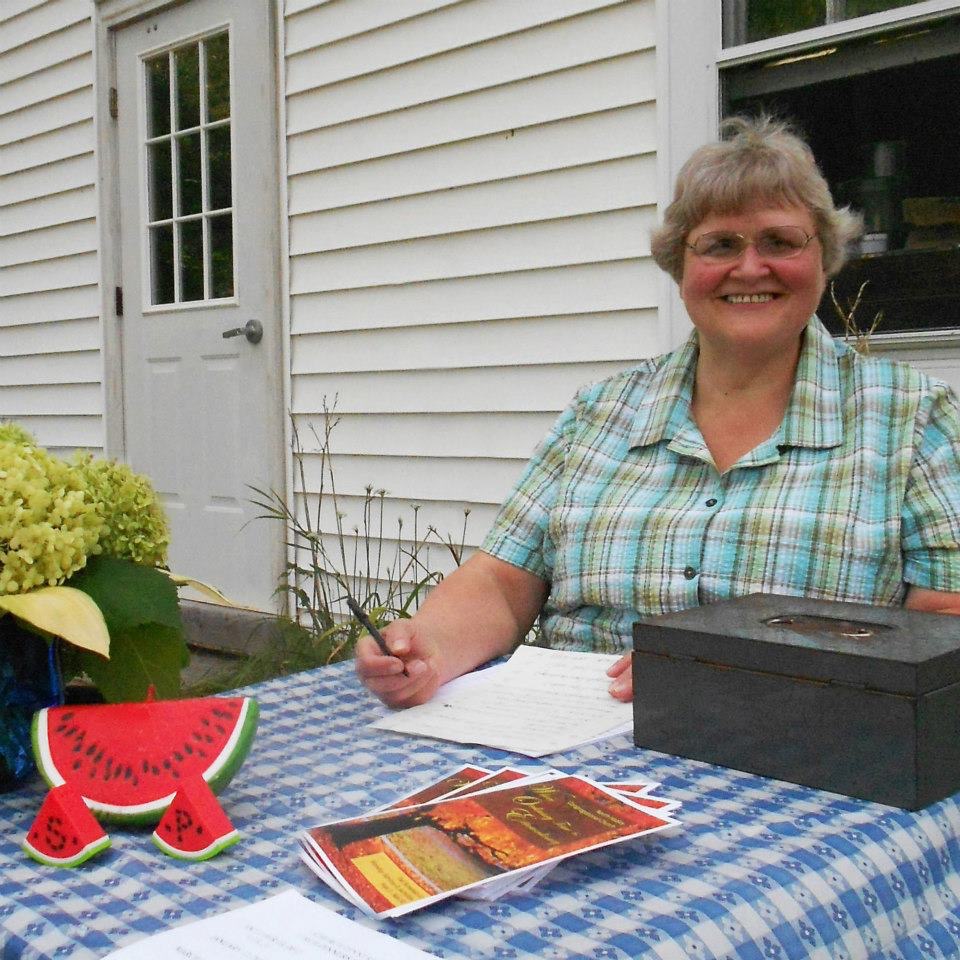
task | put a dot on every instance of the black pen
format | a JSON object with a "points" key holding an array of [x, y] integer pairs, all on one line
{"points": [[367, 625]]}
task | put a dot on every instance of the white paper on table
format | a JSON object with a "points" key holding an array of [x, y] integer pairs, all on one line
{"points": [[539, 702], [287, 925]]}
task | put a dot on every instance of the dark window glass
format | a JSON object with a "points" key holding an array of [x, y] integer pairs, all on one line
{"points": [[161, 264], [771, 18], [191, 260], [745, 21], [218, 164], [190, 172], [218, 77], [187, 61], [158, 96], [161, 197], [221, 256]]}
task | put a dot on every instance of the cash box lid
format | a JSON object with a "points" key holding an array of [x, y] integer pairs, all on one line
{"points": [[881, 648]]}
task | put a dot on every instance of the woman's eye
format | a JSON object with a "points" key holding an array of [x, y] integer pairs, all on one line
{"points": [[719, 246]]}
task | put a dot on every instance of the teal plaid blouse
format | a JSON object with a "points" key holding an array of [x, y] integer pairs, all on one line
{"points": [[621, 509]]}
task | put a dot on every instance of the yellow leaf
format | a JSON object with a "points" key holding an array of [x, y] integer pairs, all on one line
{"points": [[212, 593], [63, 611]]}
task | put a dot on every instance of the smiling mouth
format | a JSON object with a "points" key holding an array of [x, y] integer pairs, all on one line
{"points": [[749, 297]]}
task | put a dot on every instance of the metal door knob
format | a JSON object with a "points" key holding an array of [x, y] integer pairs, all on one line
{"points": [[252, 330]]}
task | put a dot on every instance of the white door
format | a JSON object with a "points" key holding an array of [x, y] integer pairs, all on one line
{"points": [[197, 173]]}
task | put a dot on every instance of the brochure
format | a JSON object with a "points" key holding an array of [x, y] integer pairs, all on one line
{"points": [[401, 859]]}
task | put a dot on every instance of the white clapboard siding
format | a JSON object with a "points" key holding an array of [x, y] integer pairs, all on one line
{"points": [[501, 433], [43, 338], [47, 306], [444, 391], [48, 243], [619, 81], [566, 142], [579, 288], [46, 50], [48, 211], [72, 173], [313, 22], [571, 191], [488, 343], [73, 140], [51, 367], [504, 59], [471, 191], [453, 27]]}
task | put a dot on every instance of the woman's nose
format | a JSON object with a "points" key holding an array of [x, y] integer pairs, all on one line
{"points": [[750, 263]]}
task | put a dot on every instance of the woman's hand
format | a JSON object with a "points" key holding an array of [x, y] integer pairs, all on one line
{"points": [[384, 675], [622, 686]]}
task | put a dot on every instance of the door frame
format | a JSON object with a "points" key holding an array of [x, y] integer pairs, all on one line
{"points": [[109, 17]]}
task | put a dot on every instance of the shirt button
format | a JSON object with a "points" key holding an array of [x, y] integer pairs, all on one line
{"points": [[689, 572], [712, 502]]}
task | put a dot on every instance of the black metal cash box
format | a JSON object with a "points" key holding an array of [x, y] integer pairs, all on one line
{"points": [[850, 698]]}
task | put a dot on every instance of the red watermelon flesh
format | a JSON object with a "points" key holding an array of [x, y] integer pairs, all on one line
{"points": [[65, 832], [194, 826], [127, 760]]}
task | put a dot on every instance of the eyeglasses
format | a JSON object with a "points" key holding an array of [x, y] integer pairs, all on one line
{"points": [[774, 243]]}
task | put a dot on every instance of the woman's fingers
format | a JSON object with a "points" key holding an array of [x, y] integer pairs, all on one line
{"points": [[622, 675]]}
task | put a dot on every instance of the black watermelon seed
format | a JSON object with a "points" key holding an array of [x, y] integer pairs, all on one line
{"points": [[178, 756], [187, 748]]}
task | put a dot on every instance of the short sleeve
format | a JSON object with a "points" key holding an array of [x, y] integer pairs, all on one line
{"points": [[930, 530], [519, 534]]}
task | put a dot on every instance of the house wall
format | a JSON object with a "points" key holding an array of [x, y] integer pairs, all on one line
{"points": [[471, 187], [50, 340]]}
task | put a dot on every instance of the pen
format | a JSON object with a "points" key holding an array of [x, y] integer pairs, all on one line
{"points": [[367, 625]]}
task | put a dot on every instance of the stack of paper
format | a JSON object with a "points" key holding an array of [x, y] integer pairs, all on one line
{"points": [[476, 833], [524, 705]]}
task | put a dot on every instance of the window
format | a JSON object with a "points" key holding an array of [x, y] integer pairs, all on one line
{"points": [[189, 182], [880, 111]]}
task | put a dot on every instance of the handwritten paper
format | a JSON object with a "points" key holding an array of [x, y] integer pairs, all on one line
{"points": [[539, 702], [287, 925]]}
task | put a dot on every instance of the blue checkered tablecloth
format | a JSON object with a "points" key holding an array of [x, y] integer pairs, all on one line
{"points": [[760, 869]]}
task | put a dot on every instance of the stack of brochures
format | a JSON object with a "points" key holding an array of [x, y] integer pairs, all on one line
{"points": [[476, 833]]}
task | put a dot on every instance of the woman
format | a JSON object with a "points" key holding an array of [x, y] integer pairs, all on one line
{"points": [[760, 456]]}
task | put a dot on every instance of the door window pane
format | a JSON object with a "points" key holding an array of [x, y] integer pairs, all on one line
{"points": [[218, 77], [221, 256], [161, 194], [189, 173], [219, 167], [158, 96], [187, 60], [161, 265], [191, 260]]}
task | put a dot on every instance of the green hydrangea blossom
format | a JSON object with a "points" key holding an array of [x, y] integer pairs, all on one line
{"points": [[11, 432], [48, 525], [134, 523]]}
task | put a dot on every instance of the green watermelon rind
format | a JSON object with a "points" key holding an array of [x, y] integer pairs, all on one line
{"points": [[217, 846], [218, 774], [90, 850]]}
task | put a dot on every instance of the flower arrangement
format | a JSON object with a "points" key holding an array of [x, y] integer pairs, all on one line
{"points": [[83, 547]]}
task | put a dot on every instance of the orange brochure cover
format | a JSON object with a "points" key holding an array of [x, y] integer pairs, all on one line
{"points": [[398, 861]]}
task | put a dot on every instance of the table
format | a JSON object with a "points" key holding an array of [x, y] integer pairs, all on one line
{"points": [[761, 870]]}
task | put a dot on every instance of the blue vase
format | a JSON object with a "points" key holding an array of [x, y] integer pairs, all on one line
{"points": [[30, 679]]}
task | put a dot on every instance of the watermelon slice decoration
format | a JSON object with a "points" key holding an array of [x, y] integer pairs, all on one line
{"points": [[127, 760], [194, 826], [65, 832]]}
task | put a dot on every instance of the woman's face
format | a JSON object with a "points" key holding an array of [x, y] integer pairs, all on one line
{"points": [[753, 303]]}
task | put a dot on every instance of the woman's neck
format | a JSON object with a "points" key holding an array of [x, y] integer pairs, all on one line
{"points": [[738, 402]]}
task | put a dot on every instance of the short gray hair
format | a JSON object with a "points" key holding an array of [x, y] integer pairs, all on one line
{"points": [[756, 160]]}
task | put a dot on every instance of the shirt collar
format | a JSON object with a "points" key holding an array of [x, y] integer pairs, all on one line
{"points": [[813, 417]]}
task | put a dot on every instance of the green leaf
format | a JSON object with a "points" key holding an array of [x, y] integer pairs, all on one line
{"points": [[129, 594], [144, 655], [142, 612]]}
